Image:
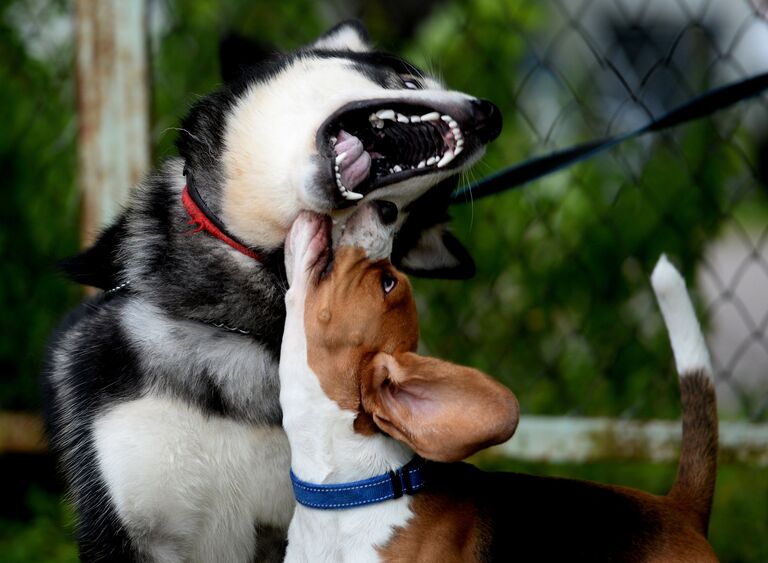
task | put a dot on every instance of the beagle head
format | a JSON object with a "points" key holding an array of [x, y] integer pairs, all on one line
{"points": [[361, 331]]}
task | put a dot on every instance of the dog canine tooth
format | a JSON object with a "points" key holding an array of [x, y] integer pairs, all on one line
{"points": [[432, 116], [447, 157], [352, 196], [386, 114], [345, 193]]}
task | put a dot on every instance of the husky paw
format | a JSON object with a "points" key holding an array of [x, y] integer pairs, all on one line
{"points": [[305, 246]]}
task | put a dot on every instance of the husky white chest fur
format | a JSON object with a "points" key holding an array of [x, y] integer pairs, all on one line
{"points": [[161, 394]]}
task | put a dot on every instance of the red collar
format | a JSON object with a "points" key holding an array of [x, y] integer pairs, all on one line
{"points": [[208, 224]]}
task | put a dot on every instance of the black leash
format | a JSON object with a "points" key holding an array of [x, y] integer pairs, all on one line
{"points": [[520, 174]]}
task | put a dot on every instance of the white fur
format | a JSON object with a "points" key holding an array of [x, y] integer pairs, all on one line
{"points": [[366, 231], [688, 345], [346, 38], [326, 449], [173, 471]]}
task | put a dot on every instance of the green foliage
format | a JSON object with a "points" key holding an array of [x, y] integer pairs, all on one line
{"points": [[46, 537], [39, 215]]}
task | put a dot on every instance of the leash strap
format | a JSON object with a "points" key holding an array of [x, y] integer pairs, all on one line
{"points": [[405, 481], [520, 174]]}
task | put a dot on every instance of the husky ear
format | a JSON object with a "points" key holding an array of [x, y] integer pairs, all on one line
{"points": [[238, 53], [437, 253], [98, 265], [443, 411], [349, 35], [424, 246]]}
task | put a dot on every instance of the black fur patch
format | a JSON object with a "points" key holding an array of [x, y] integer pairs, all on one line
{"points": [[533, 519]]}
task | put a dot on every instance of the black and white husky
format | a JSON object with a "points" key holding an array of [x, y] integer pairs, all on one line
{"points": [[161, 394]]}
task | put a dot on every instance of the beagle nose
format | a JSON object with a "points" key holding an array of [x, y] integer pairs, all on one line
{"points": [[387, 211]]}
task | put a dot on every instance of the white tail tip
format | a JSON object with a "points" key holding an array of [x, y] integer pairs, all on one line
{"points": [[691, 353]]}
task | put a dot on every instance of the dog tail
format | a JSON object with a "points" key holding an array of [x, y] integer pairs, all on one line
{"points": [[695, 482]]}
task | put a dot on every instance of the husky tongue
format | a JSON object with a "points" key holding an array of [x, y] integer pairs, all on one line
{"points": [[357, 164]]}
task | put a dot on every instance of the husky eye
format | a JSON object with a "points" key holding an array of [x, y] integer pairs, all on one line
{"points": [[388, 282], [411, 83]]}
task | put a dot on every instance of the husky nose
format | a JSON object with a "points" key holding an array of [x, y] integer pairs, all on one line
{"points": [[486, 118], [387, 211]]}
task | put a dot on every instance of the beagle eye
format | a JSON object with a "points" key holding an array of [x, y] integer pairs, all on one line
{"points": [[388, 282]]}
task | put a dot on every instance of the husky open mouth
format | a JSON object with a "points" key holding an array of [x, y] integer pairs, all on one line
{"points": [[376, 143]]}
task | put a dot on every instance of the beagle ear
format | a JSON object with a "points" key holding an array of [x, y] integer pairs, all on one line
{"points": [[443, 411], [349, 35]]}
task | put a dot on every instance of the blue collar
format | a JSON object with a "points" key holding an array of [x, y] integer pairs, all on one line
{"points": [[406, 480]]}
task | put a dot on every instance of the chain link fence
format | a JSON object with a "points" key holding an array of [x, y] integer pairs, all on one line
{"points": [[562, 310]]}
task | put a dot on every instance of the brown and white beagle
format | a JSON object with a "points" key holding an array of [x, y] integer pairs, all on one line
{"points": [[358, 403]]}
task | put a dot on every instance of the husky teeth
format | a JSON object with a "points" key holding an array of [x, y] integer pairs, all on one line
{"points": [[341, 157], [386, 114], [453, 125], [431, 160], [333, 140], [446, 118], [345, 193], [421, 164], [432, 116], [402, 118], [459, 148], [397, 168], [415, 119], [447, 157], [376, 121]]}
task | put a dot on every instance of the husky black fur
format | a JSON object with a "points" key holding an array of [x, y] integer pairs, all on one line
{"points": [[161, 393]]}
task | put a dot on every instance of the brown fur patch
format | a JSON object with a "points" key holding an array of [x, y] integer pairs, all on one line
{"points": [[695, 484], [348, 319], [441, 529]]}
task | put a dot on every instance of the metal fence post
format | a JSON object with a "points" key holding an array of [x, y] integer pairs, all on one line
{"points": [[113, 105]]}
